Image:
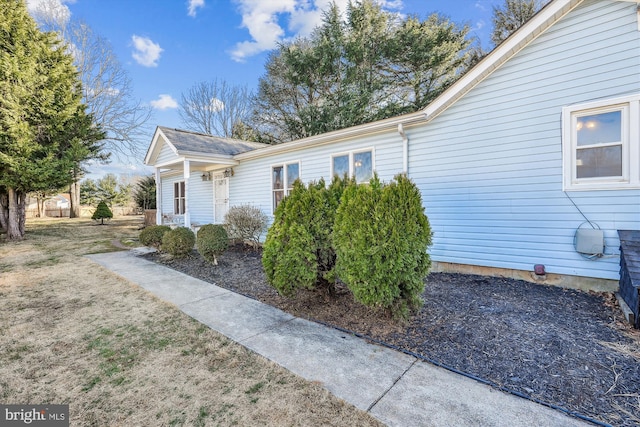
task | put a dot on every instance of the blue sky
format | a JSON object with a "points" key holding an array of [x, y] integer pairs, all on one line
{"points": [[167, 46]]}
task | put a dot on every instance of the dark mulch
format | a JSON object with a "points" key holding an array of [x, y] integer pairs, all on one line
{"points": [[562, 347]]}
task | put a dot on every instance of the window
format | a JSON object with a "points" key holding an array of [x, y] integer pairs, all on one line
{"points": [[601, 145], [282, 179], [178, 198], [358, 164]]}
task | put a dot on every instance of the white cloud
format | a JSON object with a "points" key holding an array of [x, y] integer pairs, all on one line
{"points": [[146, 53], [164, 102], [216, 105], [194, 5], [55, 9], [263, 20]]}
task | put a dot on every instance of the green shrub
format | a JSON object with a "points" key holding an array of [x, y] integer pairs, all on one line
{"points": [[212, 241], [102, 212], [381, 236], [298, 250], [179, 241], [152, 235], [245, 223]]}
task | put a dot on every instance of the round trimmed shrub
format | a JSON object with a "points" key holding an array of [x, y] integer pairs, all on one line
{"points": [[178, 242], [152, 235], [381, 236], [212, 241]]}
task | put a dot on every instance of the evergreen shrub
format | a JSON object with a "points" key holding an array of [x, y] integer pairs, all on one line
{"points": [[298, 250], [102, 212], [178, 242], [152, 235], [381, 236], [245, 223], [212, 241]]}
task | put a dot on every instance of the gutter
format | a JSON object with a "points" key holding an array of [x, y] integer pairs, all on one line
{"points": [[335, 136]]}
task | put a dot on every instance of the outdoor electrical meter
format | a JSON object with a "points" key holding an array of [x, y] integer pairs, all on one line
{"points": [[589, 241]]}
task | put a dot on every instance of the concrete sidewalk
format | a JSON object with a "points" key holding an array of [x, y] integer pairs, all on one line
{"points": [[396, 388]]}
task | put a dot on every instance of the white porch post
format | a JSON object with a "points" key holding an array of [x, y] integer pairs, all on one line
{"points": [[187, 173], [158, 198]]}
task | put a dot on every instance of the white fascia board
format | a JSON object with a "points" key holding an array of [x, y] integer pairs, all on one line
{"points": [[155, 146], [544, 19], [338, 135]]}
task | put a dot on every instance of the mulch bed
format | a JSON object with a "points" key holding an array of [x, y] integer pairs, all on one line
{"points": [[563, 347]]}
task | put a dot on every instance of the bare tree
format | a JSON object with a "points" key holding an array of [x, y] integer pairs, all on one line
{"points": [[215, 107], [107, 89]]}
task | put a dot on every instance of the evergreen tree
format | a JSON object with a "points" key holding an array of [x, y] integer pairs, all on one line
{"points": [[511, 16], [108, 189], [144, 193], [351, 71], [44, 129], [102, 212]]}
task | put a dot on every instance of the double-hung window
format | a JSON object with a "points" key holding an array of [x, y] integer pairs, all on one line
{"points": [[178, 198], [358, 164], [601, 145], [282, 179]]}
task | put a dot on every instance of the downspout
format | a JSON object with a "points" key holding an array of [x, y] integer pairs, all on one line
{"points": [[158, 197], [187, 190], [405, 149]]}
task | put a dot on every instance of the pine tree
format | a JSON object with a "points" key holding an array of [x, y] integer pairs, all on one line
{"points": [[511, 16], [102, 212], [351, 71], [44, 129]]}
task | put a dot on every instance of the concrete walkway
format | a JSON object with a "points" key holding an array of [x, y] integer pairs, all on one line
{"points": [[396, 388]]}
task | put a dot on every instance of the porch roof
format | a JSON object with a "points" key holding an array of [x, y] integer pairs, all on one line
{"points": [[196, 146]]}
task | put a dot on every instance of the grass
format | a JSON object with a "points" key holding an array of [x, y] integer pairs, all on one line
{"points": [[74, 333]]}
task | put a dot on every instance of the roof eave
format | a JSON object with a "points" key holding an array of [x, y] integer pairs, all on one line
{"points": [[326, 138], [154, 147]]}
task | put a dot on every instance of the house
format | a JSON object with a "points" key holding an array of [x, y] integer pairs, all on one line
{"points": [[520, 162], [59, 201]]}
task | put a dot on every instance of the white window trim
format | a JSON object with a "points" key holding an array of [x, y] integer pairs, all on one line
{"points": [[178, 197], [284, 178], [630, 106], [351, 154]]}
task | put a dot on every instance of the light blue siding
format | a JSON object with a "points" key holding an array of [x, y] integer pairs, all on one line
{"points": [[252, 180], [490, 167], [200, 199], [166, 155]]}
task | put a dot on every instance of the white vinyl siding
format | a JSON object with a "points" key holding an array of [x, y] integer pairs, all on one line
{"points": [[166, 155], [490, 167], [200, 199], [252, 180]]}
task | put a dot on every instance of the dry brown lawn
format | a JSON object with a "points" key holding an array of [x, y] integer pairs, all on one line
{"points": [[74, 333]]}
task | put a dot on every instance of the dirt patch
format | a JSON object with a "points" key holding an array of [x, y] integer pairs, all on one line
{"points": [[558, 346]]}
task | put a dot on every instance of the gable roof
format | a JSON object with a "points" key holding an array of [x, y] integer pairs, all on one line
{"points": [[543, 20], [188, 144]]}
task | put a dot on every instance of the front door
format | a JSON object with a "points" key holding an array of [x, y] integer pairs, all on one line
{"points": [[220, 198]]}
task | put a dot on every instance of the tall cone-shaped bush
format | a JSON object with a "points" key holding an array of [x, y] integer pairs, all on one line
{"points": [[298, 250], [381, 236]]}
